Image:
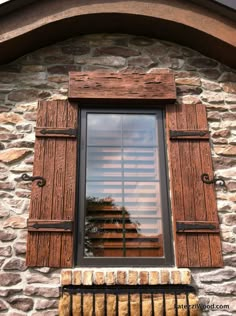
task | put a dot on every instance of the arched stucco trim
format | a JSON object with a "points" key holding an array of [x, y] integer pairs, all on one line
{"points": [[43, 23]]}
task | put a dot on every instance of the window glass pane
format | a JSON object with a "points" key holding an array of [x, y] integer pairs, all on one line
{"points": [[139, 130], [123, 216], [141, 163], [104, 163], [104, 129]]}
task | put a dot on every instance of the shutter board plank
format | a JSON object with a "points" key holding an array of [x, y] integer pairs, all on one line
{"points": [[201, 213], [176, 185], [36, 195], [70, 185], [47, 191], [210, 200], [187, 184], [59, 183], [198, 196]]}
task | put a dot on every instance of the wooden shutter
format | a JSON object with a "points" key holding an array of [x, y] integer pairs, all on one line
{"points": [[50, 224], [197, 238]]}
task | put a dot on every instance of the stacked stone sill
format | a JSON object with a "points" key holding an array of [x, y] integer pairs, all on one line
{"points": [[43, 75], [128, 276], [125, 276]]}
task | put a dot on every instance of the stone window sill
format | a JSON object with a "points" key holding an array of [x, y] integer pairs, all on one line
{"points": [[129, 276]]}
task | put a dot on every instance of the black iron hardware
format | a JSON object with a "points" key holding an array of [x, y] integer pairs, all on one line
{"points": [[187, 133], [40, 183], [153, 291], [181, 227], [65, 225], [54, 131], [206, 179]]}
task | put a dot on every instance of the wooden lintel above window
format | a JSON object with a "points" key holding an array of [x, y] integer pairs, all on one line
{"points": [[154, 88]]}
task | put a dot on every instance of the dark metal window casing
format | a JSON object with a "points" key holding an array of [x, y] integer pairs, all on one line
{"points": [[81, 259]]}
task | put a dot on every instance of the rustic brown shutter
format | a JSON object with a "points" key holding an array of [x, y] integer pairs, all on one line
{"points": [[51, 219], [197, 238]]}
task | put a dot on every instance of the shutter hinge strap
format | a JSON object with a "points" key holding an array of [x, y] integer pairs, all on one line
{"points": [[189, 134], [50, 225], [197, 227], [56, 132]]}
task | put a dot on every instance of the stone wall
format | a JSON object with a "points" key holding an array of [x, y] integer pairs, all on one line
{"points": [[44, 75]]}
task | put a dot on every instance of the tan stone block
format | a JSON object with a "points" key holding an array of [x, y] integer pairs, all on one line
{"points": [[154, 277], [186, 276], [143, 277], [110, 278], [15, 222], [66, 277], [99, 305], [88, 304], [230, 87], [188, 99], [99, 278], [77, 304], [147, 305], [165, 279], [175, 277], [13, 155], [123, 305], [221, 133], [134, 304], [88, 277], [10, 118], [192, 81], [133, 277], [158, 304], [225, 150], [209, 85], [121, 277], [77, 277], [111, 305]]}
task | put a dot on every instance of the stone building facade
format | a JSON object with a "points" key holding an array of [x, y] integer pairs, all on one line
{"points": [[43, 75]]}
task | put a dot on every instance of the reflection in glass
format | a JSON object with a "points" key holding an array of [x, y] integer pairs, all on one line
{"points": [[123, 208]]}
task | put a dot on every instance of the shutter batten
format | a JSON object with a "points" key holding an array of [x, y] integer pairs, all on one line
{"points": [[197, 238], [52, 207]]}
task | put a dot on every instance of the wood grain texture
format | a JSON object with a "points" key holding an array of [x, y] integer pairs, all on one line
{"points": [[100, 87], [209, 191], [46, 247], [189, 158], [67, 241], [177, 199], [36, 193]]}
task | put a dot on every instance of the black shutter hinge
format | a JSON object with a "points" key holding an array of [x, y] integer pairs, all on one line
{"points": [[64, 131]]}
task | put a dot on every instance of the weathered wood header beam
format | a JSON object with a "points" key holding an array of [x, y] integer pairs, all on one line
{"points": [[100, 87]]}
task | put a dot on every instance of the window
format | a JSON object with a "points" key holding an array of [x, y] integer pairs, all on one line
{"points": [[57, 211], [123, 198]]}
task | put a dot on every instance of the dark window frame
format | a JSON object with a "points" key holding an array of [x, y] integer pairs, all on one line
{"points": [[82, 261]]}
